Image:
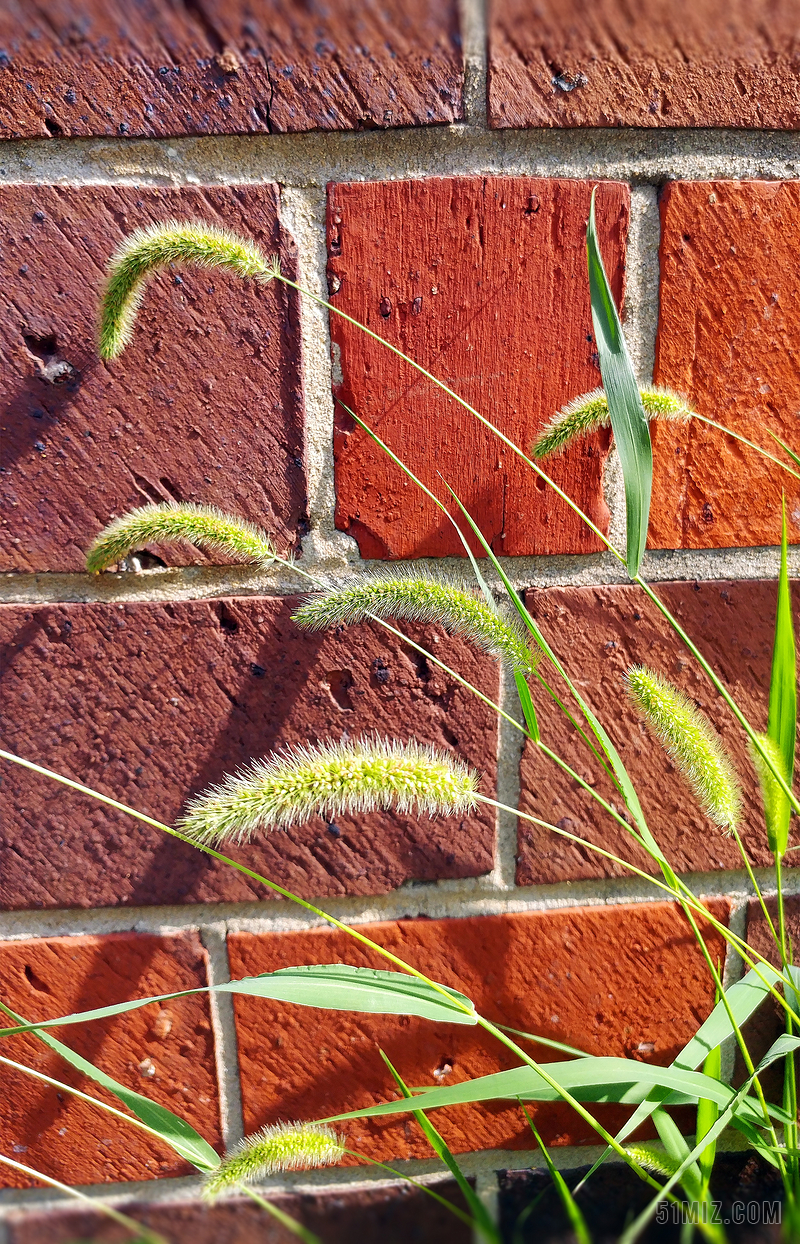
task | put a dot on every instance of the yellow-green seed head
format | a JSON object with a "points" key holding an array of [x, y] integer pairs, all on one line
{"points": [[423, 598], [691, 742], [174, 242], [653, 1160], [776, 802], [329, 779], [276, 1148], [202, 525], [589, 412]]}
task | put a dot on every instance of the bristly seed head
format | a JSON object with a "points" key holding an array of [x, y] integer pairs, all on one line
{"points": [[424, 598], [276, 1148], [202, 525], [691, 742], [329, 779], [776, 802], [589, 412], [653, 1160], [173, 242]]}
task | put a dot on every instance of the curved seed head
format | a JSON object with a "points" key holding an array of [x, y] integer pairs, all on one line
{"points": [[278, 1147], [776, 803], [329, 779], [653, 1160], [172, 242], [691, 742], [589, 412], [202, 525], [424, 598]]}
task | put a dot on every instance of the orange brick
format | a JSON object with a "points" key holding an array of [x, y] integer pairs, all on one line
{"points": [[165, 1052], [625, 980]]}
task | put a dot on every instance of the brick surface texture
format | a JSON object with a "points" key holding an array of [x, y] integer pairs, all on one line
{"points": [[711, 63], [164, 1052], [624, 980], [475, 279], [205, 405], [599, 633], [111, 68], [372, 1216], [729, 332], [152, 703]]}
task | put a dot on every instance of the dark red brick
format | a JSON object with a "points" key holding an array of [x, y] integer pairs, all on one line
{"points": [[623, 980], [483, 282], [728, 337], [205, 405], [711, 63], [109, 68], [599, 632], [395, 1215], [164, 1052], [151, 703]]}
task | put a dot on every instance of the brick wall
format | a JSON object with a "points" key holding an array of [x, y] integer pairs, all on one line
{"points": [[429, 168]]}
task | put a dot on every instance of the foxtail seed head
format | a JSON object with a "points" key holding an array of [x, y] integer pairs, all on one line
{"points": [[589, 412], [776, 802], [423, 598], [691, 742], [172, 242], [653, 1160], [276, 1148], [329, 779], [202, 525]]}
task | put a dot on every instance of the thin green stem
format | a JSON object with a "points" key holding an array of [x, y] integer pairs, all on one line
{"points": [[752, 445], [455, 1209], [753, 881], [578, 728], [790, 1071], [598, 798], [286, 1220]]}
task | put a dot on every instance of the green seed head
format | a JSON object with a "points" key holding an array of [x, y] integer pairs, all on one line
{"points": [[424, 598], [276, 1148], [691, 742], [329, 779], [776, 802], [653, 1160], [202, 525], [589, 412], [173, 242]]}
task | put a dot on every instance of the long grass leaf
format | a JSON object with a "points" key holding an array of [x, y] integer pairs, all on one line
{"points": [[782, 727], [707, 1115], [628, 420], [571, 1208]]}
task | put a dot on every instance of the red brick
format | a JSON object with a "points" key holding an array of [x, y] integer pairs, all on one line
{"points": [[66, 1138], [151, 703], [599, 632], [214, 365], [624, 980], [393, 1215], [729, 332], [710, 63], [483, 282], [103, 67], [769, 1021]]}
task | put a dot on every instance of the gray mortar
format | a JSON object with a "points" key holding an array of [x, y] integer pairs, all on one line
{"points": [[303, 164]]}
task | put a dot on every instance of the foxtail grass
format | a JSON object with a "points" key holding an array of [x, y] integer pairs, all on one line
{"points": [[276, 1148], [202, 525], [587, 413]]}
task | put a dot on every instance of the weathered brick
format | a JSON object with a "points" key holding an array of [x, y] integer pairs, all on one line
{"points": [[394, 1215], [711, 63], [205, 405], [598, 633], [110, 68], [482, 281], [151, 703], [624, 980], [165, 1052], [728, 337]]}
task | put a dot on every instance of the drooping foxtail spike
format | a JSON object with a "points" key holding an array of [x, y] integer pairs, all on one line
{"points": [[776, 802], [423, 598], [653, 1160], [173, 242], [690, 740], [328, 779], [276, 1148], [589, 412], [202, 525]]}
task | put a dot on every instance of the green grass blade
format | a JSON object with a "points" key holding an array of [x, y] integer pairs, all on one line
{"points": [[676, 1147], [286, 1220], [628, 420], [782, 728], [526, 703], [794, 457], [571, 1208], [442, 1150], [707, 1115]]}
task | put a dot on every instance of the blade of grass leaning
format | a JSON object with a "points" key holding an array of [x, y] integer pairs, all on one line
{"points": [[782, 727], [675, 1146], [571, 1208], [707, 1115], [442, 1150], [628, 420], [794, 457]]}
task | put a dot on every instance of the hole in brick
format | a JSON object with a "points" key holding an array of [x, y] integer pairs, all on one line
{"points": [[36, 981], [44, 352], [53, 127], [339, 683], [170, 488], [443, 1070], [227, 621], [420, 663]]}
